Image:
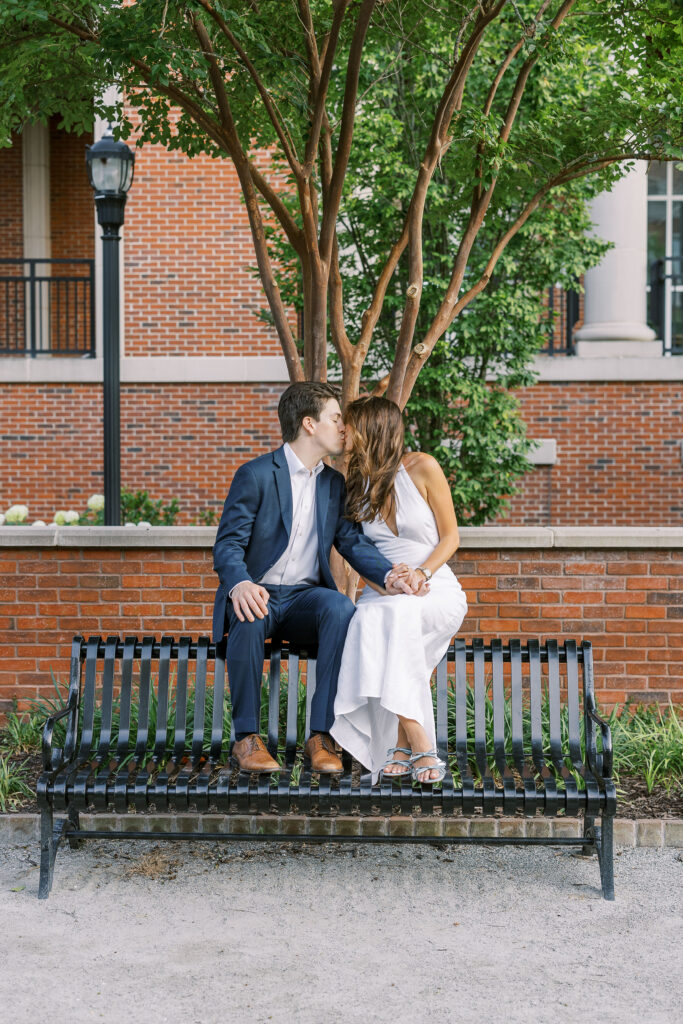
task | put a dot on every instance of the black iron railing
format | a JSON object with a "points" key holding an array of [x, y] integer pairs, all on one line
{"points": [[47, 307], [666, 289]]}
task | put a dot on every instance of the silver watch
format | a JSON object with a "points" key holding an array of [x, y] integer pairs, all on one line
{"points": [[425, 571]]}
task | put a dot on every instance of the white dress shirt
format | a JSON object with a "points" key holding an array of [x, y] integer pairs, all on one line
{"points": [[299, 561]]}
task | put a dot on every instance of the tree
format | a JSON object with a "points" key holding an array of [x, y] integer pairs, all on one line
{"points": [[500, 109]]}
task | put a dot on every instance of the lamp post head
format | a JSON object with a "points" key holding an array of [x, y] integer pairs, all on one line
{"points": [[110, 167]]}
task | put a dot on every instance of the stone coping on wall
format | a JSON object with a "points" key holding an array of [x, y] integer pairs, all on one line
{"points": [[621, 368], [474, 537]]}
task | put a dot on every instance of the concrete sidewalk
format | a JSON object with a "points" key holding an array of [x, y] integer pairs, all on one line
{"points": [[255, 932]]}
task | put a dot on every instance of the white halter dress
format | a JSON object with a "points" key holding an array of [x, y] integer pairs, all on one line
{"points": [[395, 642]]}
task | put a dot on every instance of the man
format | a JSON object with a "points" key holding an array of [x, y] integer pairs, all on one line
{"points": [[282, 515]]}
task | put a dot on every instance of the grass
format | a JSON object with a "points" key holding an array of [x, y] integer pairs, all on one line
{"points": [[13, 786], [647, 740]]}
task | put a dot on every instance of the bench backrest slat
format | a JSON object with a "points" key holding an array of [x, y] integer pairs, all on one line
{"points": [[442, 708], [274, 699], [292, 707], [107, 696], [126, 693], [145, 697], [554, 702], [218, 702], [311, 670], [181, 698], [498, 689], [479, 705], [162, 696], [87, 729], [516, 712], [199, 698], [535, 697], [571, 659], [460, 652]]}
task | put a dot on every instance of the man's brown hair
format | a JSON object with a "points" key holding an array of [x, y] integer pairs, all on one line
{"points": [[304, 398]]}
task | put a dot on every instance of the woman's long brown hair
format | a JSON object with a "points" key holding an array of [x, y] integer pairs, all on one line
{"points": [[374, 459]]}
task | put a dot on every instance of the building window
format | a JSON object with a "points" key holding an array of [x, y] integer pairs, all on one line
{"points": [[665, 252]]}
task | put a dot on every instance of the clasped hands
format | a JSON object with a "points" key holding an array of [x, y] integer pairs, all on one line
{"points": [[250, 600], [404, 580]]}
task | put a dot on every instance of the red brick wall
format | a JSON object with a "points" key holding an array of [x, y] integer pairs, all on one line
{"points": [[618, 455], [12, 310], [188, 250], [179, 441], [72, 224], [72, 210], [11, 205], [629, 603]]}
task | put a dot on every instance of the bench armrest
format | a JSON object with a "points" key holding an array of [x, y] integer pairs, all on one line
{"points": [[53, 758], [599, 763]]}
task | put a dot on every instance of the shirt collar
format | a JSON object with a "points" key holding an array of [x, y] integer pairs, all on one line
{"points": [[296, 465]]}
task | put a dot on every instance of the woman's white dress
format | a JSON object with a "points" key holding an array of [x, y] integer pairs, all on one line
{"points": [[395, 642]]}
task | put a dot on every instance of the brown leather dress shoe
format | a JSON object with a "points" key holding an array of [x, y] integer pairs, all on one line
{"points": [[252, 755], [320, 750]]}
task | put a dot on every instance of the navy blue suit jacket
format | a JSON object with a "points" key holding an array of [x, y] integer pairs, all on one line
{"points": [[257, 520]]}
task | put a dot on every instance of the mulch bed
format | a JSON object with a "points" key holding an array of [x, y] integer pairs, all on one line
{"points": [[634, 801]]}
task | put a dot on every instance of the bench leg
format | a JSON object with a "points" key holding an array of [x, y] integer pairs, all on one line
{"points": [[606, 856], [47, 853], [74, 822], [589, 847]]}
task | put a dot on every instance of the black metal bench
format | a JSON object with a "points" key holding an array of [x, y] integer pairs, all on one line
{"points": [[516, 723]]}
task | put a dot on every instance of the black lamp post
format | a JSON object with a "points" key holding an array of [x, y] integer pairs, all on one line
{"points": [[110, 170]]}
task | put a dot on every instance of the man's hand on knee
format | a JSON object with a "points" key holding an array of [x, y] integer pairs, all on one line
{"points": [[250, 601]]}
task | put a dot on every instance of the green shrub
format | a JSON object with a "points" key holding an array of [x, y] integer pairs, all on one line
{"points": [[136, 507]]}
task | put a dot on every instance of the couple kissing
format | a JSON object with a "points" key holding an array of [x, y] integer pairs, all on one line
{"points": [[393, 521]]}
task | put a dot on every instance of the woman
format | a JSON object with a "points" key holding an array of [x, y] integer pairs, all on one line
{"points": [[383, 708]]}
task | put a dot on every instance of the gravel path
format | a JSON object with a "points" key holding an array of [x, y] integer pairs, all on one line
{"points": [[203, 932]]}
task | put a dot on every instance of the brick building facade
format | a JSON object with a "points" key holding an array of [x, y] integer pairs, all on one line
{"points": [[201, 375]]}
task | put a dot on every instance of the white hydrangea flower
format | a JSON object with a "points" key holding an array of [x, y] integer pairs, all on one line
{"points": [[39, 522], [16, 514], [71, 517], [129, 524], [60, 517], [144, 523], [96, 502], [2, 518]]}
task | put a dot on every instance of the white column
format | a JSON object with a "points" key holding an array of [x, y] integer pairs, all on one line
{"points": [[615, 310], [35, 154]]}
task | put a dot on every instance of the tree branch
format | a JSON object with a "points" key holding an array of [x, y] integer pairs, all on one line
{"points": [[509, 57], [447, 314], [451, 100], [346, 129], [320, 73], [481, 202], [241, 163], [281, 131]]}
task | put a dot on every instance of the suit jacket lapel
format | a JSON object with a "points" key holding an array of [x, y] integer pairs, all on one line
{"points": [[283, 484], [322, 498]]}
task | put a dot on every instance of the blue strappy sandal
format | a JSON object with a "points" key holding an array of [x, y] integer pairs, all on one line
{"points": [[416, 771], [397, 760]]}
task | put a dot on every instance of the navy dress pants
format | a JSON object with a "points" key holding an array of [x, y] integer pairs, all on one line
{"points": [[301, 614]]}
